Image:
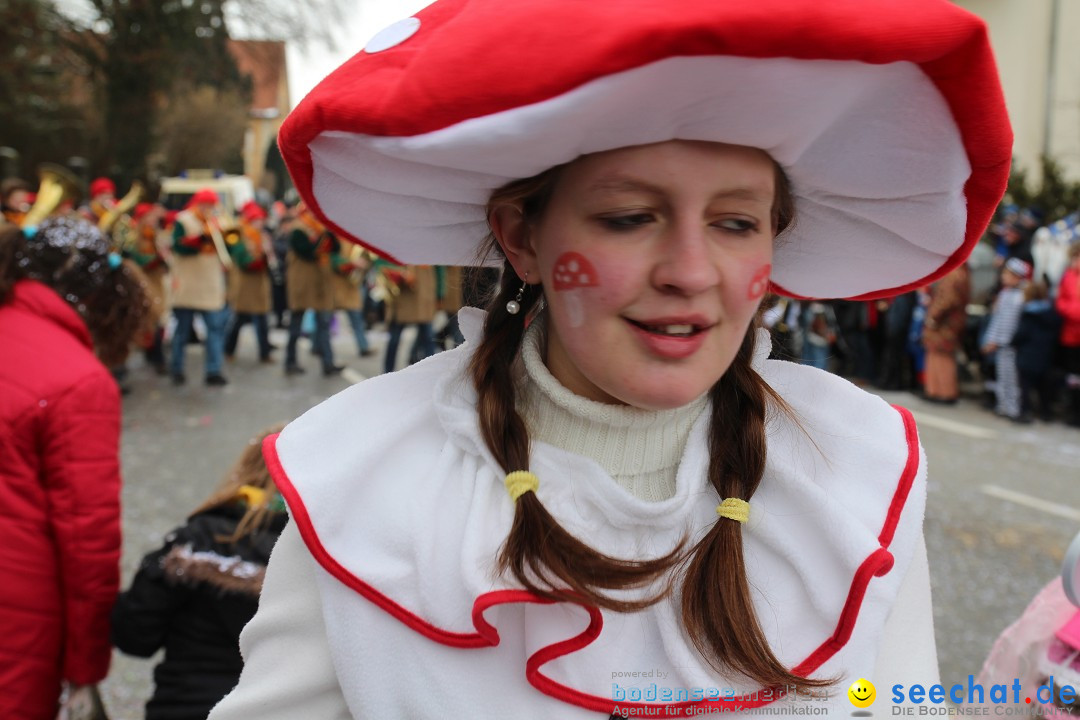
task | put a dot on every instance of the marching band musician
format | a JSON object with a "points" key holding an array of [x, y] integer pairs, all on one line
{"points": [[307, 279], [15, 200], [146, 252], [349, 265], [413, 303], [199, 284], [284, 217], [102, 199], [450, 294], [249, 283], [57, 186]]}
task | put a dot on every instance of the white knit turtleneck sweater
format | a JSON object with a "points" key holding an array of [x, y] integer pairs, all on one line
{"points": [[640, 449]]}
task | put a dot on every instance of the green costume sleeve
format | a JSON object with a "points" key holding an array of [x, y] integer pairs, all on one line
{"points": [[142, 259], [241, 255], [302, 245], [178, 245], [440, 282]]}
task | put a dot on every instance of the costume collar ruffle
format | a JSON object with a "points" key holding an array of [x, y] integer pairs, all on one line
{"points": [[837, 506]]}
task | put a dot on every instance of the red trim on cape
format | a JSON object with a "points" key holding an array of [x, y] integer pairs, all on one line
{"points": [[877, 564]]}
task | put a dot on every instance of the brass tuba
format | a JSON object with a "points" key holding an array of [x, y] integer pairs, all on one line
{"points": [[358, 257], [122, 207], [57, 184]]}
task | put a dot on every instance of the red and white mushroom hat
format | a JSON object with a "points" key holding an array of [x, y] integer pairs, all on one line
{"points": [[887, 116]]}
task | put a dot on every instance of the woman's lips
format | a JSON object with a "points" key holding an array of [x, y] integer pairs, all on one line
{"points": [[673, 347]]}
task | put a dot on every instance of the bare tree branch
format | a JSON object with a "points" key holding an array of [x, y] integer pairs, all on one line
{"points": [[303, 23]]}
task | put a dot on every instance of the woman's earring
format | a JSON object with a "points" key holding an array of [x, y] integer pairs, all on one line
{"points": [[514, 306]]}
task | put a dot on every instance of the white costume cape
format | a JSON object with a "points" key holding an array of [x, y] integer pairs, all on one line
{"points": [[400, 503]]}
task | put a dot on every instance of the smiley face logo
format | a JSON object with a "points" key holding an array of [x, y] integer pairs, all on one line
{"points": [[862, 693]]}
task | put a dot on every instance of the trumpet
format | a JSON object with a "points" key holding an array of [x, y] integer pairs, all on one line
{"points": [[214, 229], [258, 240], [57, 184], [388, 284]]}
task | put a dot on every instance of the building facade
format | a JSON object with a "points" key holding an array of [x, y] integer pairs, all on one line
{"points": [[264, 62], [1039, 62]]}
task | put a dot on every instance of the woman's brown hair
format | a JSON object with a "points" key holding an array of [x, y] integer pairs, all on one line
{"points": [[717, 609], [111, 300], [250, 470], [1036, 290]]}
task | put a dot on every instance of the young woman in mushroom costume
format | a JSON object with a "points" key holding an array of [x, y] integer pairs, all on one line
{"points": [[608, 500]]}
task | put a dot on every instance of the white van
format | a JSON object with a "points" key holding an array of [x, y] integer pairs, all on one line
{"points": [[233, 190]]}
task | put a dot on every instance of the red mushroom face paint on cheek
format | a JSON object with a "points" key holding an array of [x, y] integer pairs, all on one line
{"points": [[759, 283], [571, 273]]}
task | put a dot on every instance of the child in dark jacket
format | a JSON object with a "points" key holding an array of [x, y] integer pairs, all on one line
{"points": [[194, 595], [1035, 341]]}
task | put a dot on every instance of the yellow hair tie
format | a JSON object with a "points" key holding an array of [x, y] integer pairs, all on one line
{"points": [[520, 482], [254, 496], [734, 509]]}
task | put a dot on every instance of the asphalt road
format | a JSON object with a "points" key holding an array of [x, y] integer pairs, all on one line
{"points": [[1004, 500], [1003, 504]]}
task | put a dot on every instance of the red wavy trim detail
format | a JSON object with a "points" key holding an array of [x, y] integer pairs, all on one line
{"points": [[300, 516], [907, 478], [877, 564]]}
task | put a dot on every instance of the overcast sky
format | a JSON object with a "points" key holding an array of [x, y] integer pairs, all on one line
{"points": [[366, 18], [362, 20]]}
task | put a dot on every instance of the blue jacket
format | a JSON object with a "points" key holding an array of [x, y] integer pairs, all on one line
{"points": [[1036, 336]]}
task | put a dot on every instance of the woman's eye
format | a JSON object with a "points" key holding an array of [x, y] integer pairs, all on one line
{"points": [[737, 225], [626, 222]]}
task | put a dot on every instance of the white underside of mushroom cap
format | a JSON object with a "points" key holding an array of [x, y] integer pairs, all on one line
{"points": [[875, 157]]}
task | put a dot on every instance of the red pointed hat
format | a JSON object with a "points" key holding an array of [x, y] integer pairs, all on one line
{"points": [[888, 117], [102, 186], [140, 211], [203, 196], [252, 211]]}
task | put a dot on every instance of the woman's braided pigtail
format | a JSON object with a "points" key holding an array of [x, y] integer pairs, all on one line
{"points": [[539, 553], [717, 607]]}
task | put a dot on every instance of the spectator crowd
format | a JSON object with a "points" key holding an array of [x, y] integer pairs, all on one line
{"points": [[1006, 325]]}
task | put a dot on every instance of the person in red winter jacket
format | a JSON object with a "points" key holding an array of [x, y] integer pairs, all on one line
{"points": [[1068, 307], [68, 310]]}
